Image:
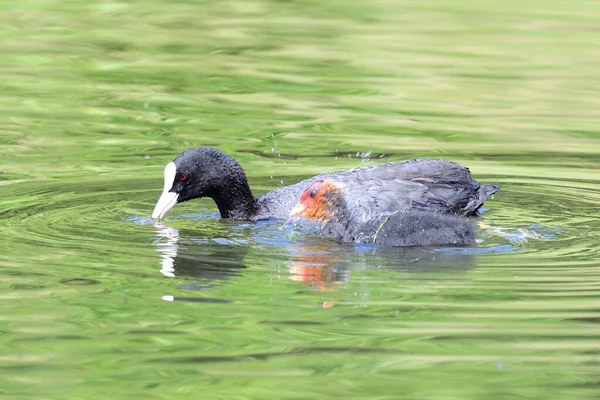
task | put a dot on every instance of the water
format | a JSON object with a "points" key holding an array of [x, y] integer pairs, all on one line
{"points": [[97, 300]]}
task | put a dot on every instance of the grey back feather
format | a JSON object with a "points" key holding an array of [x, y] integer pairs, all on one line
{"points": [[427, 184]]}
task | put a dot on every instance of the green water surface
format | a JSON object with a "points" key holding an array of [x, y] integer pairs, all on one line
{"points": [[97, 301]]}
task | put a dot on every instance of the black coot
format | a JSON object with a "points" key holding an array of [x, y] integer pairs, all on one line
{"points": [[430, 184]]}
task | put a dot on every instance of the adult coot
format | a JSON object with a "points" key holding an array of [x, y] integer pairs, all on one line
{"points": [[352, 214], [427, 183]]}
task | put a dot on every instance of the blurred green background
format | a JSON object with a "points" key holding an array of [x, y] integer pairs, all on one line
{"points": [[95, 97]]}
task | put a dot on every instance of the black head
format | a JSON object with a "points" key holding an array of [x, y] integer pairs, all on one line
{"points": [[200, 172]]}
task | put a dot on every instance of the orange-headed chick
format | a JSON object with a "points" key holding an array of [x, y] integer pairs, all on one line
{"points": [[319, 200]]}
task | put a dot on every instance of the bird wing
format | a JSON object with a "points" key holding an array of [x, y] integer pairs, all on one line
{"points": [[432, 184], [428, 184]]}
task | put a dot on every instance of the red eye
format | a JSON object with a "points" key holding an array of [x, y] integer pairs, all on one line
{"points": [[184, 177]]}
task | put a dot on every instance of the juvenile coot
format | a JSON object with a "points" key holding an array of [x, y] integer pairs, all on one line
{"points": [[427, 183], [351, 214]]}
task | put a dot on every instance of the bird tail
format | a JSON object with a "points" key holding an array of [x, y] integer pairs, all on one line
{"points": [[483, 192], [487, 190]]}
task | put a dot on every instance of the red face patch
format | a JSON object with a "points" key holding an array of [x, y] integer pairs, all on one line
{"points": [[309, 194]]}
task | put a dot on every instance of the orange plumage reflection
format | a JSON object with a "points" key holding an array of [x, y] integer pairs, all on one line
{"points": [[317, 266]]}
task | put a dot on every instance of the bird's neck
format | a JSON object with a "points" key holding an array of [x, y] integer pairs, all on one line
{"points": [[236, 201]]}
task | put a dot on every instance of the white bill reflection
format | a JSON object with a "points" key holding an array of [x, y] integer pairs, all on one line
{"points": [[167, 246]]}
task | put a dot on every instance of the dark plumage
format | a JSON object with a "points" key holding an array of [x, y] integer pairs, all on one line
{"points": [[428, 184], [350, 220]]}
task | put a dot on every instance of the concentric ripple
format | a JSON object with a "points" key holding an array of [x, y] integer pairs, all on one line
{"points": [[553, 219], [71, 215]]}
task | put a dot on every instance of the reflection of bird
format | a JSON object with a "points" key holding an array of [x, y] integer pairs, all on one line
{"points": [[362, 214], [317, 265], [212, 261], [427, 183]]}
